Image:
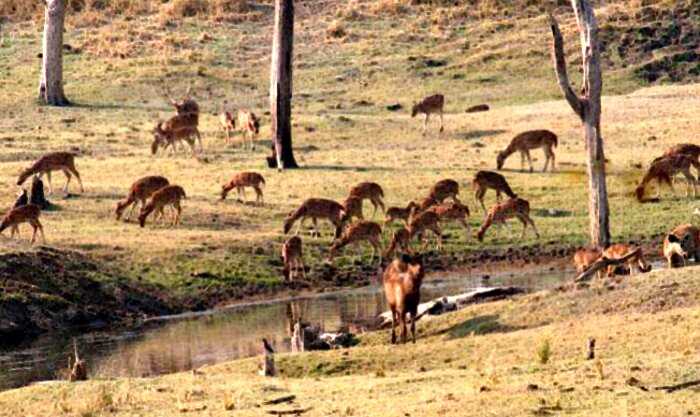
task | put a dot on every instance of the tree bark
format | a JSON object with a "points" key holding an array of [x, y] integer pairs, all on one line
{"points": [[51, 76], [281, 86], [588, 108]]}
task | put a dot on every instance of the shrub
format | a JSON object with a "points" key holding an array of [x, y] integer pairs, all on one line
{"points": [[544, 352]]}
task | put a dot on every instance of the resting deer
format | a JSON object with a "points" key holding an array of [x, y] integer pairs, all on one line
{"points": [[619, 250], [242, 180], [400, 240], [402, 280], [430, 105], [293, 258], [140, 192], [55, 161], [663, 169], [357, 233], [585, 257], [485, 180], [424, 221], [369, 191], [453, 211], [400, 213], [680, 244], [170, 195], [353, 208], [527, 141], [24, 214], [249, 123], [317, 208], [511, 208], [227, 121]]}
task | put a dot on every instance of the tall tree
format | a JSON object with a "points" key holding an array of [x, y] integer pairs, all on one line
{"points": [[281, 86], [587, 107], [51, 77]]}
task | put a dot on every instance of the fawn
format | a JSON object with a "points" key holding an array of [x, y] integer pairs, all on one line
{"points": [[527, 141], [402, 280], [429, 105], [513, 207], [399, 213], [170, 195], [24, 214], [663, 170], [423, 221], [484, 180], [400, 240], [55, 161], [227, 121], [293, 258], [317, 208], [357, 233], [353, 208], [618, 250], [171, 132], [242, 180], [585, 257], [249, 123], [140, 192], [453, 211], [682, 243], [369, 191]]}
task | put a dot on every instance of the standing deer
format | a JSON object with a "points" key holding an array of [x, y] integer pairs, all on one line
{"points": [[501, 212], [353, 208], [424, 221], [399, 213], [430, 105], [484, 180], [242, 180], [369, 191], [402, 280], [317, 208], [170, 195], [187, 113], [453, 211], [140, 192], [400, 240], [443, 189], [619, 250], [55, 161], [171, 132], [682, 243], [249, 123], [357, 233], [663, 169], [24, 214], [293, 258], [527, 141], [227, 121]]}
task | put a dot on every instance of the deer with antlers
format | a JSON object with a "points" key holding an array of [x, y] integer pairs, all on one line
{"points": [[663, 169], [512, 208], [430, 105], [55, 161], [24, 214], [527, 141], [183, 126]]}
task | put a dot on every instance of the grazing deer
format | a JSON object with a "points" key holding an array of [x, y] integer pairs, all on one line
{"points": [[663, 170], [513, 207], [357, 233], [227, 121], [527, 141], [585, 257], [353, 208], [484, 180], [400, 213], [682, 243], [24, 214], [443, 189], [453, 211], [688, 149], [55, 161], [400, 240], [140, 192], [170, 195], [293, 258], [429, 105], [171, 132], [317, 208], [242, 180], [402, 280], [249, 123], [369, 191], [619, 250], [423, 221]]}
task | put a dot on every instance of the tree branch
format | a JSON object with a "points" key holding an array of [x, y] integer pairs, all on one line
{"points": [[560, 66], [604, 263]]}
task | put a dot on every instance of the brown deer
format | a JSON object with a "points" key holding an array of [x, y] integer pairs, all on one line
{"points": [[353, 208], [171, 132], [400, 213], [170, 195], [512, 208], [527, 141], [356, 233], [485, 180], [680, 244], [430, 105], [293, 258], [55, 161], [443, 189], [400, 240], [140, 192], [619, 250], [402, 280], [369, 191], [227, 121], [242, 180], [663, 169], [24, 214], [317, 208], [585, 257], [453, 211], [424, 221], [187, 112], [688, 149], [249, 123]]}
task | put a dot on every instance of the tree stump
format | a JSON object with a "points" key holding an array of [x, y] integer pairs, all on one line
{"points": [[298, 338], [37, 196], [268, 365]]}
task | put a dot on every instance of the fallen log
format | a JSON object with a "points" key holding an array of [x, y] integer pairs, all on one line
{"points": [[604, 263], [285, 399], [295, 412], [684, 385]]}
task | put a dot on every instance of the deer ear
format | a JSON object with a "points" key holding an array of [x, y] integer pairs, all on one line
{"points": [[672, 238]]}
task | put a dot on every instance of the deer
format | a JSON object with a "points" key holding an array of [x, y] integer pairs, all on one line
{"points": [[54, 161], [418, 223], [353, 208], [485, 180], [430, 105], [28, 213], [317, 208], [140, 192], [585, 257], [170, 195], [680, 244], [512, 208], [400, 213], [453, 211], [619, 250], [242, 180], [171, 132], [400, 240], [356, 233], [527, 141], [227, 121], [249, 123], [402, 280], [663, 169], [293, 258], [187, 112], [369, 191], [688, 149], [444, 189]]}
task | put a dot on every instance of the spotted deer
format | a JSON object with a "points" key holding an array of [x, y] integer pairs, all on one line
{"points": [[369, 191], [227, 122], [317, 208], [293, 258], [400, 241], [249, 123], [512, 208], [585, 257], [355, 233], [662, 170], [688, 149], [55, 161], [682, 243], [24, 214], [242, 180], [186, 114], [422, 222], [430, 105], [485, 180], [527, 141], [168, 196], [353, 208], [140, 192], [452, 212], [399, 213], [402, 280], [619, 250], [173, 132]]}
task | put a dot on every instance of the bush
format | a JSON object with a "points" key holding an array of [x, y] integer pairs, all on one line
{"points": [[544, 352]]}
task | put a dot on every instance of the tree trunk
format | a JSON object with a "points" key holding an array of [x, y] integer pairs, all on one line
{"points": [[51, 77], [588, 108], [281, 86]]}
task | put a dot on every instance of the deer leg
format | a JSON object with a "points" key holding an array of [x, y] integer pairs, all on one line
{"points": [[258, 195], [438, 233], [315, 232], [522, 161], [34, 233], [425, 123], [552, 167], [394, 319], [77, 176], [48, 179], [413, 325], [178, 212], [68, 178], [199, 138], [442, 128], [529, 159], [690, 182], [252, 141], [14, 230], [131, 210], [404, 330]]}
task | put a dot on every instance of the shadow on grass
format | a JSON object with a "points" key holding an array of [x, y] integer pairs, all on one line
{"points": [[478, 134], [479, 326], [346, 168]]}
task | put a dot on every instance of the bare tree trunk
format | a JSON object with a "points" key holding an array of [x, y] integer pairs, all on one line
{"points": [[281, 86], [588, 108], [51, 77]]}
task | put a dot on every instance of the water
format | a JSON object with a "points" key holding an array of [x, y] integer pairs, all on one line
{"points": [[189, 341]]}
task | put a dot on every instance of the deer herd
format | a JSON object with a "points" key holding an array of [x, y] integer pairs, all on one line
{"points": [[403, 276]]}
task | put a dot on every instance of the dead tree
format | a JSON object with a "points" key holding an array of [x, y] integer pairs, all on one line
{"points": [[281, 86], [588, 108], [603, 263], [51, 75]]}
